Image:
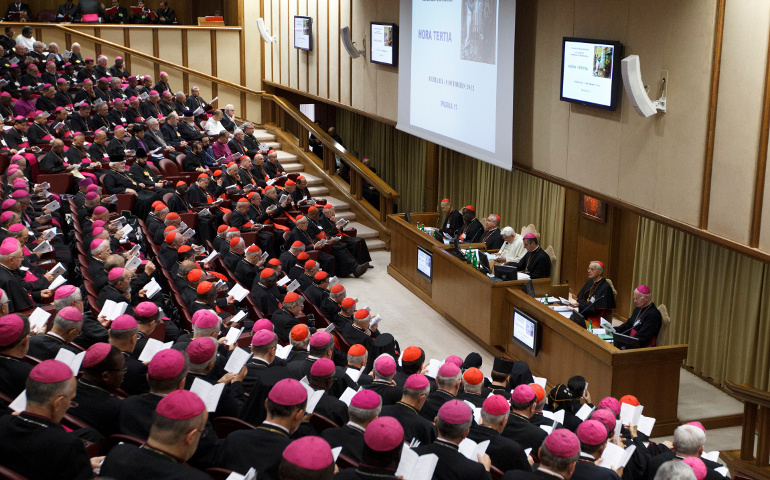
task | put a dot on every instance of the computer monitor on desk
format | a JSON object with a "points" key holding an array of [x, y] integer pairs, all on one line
{"points": [[408, 216], [624, 342], [484, 263], [506, 272]]}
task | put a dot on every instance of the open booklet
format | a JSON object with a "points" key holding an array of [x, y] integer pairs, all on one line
{"points": [[152, 347], [615, 457], [210, 394], [416, 467]]}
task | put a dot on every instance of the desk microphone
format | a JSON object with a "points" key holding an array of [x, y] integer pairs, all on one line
{"points": [[591, 303]]}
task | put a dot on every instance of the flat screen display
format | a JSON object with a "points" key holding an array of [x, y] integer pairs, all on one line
{"points": [[425, 262], [590, 72], [303, 33], [525, 331], [384, 44]]}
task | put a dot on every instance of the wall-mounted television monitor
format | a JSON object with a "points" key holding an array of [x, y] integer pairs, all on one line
{"points": [[590, 72], [303, 33], [526, 332], [384, 44], [425, 263]]}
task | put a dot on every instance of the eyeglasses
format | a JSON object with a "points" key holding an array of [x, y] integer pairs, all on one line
{"points": [[124, 370]]}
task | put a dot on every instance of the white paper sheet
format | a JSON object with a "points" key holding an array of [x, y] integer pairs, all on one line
{"points": [[207, 392], [237, 360]]}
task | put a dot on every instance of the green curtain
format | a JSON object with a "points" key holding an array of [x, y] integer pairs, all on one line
{"points": [[398, 158], [519, 198], [715, 301]]}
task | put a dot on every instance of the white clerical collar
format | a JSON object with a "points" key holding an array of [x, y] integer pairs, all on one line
{"points": [[549, 472], [276, 426]]}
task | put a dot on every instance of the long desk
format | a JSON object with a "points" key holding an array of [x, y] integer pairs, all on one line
{"points": [[483, 310], [650, 374], [463, 295]]}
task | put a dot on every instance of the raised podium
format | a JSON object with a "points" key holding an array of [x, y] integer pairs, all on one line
{"points": [[483, 309]]}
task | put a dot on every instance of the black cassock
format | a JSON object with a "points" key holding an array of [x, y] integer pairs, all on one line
{"points": [[452, 464], [129, 462], [599, 291], [452, 223], [536, 264], [643, 324], [35, 447], [260, 448], [349, 437], [356, 246], [471, 232], [52, 163], [18, 298], [327, 261], [13, 375], [118, 182]]}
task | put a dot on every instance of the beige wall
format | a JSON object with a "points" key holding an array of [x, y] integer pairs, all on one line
{"points": [[656, 164], [328, 71]]}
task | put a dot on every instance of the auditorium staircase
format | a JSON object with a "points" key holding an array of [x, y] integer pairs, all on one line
{"points": [[291, 163]]}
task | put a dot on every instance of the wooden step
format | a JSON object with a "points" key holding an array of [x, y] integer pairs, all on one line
{"points": [[313, 181], [264, 136], [318, 192], [284, 156], [339, 205], [363, 230], [375, 244], [347, 215]]}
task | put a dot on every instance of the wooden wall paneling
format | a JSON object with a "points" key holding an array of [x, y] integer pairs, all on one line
{"points": [[569, 239], [168, 49], [716, 63], [647, 176], [156, 53], [334, 52], [536, 80], [199, 40], [267, 48], [287, 42], [304, 59], [323, 48], [318, 33], [115, 35], [127, 43], [599, 169], [228, 55], [141, 40], [759, 185], [622, 256], [359, 12], [275, 55], [97, 46], [386, 77], [252, 53], [215, 69], [738, 125], [185, 63], [593, 243], [294, 54], [345, 60], [87, 46]]}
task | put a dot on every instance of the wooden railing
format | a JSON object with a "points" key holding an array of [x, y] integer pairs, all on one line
{"points": [[289, 118], [756, 423]]}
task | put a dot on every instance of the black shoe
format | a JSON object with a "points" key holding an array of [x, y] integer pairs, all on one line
{"points": [[360, 270], [370, 265]]}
